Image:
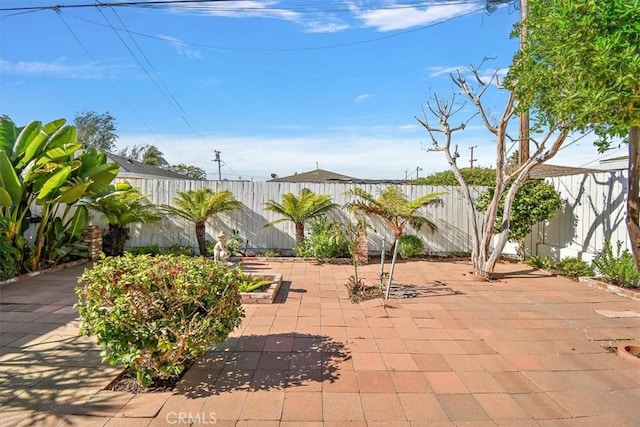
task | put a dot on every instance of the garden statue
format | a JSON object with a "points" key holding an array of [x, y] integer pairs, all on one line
{"points": [[220, 251]]}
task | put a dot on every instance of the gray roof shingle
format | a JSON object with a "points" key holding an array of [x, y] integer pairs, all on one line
{"points": [[133, 167]]}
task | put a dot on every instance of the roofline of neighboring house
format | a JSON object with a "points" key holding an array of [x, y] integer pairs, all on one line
{"points": [[130, 168]]}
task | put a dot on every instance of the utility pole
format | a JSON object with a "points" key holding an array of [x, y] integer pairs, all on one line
{"points": [[405, 175], [472, 160], [418, 169], [218, 161]]}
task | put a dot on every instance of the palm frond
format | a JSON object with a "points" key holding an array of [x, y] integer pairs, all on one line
{"points": [[202, 204], [392, 206]]}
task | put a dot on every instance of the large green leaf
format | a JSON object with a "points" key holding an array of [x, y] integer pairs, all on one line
{"points": [[101, 176], [74, 192], [8, 135], [54, 183], [5, 198], [79, 222], [9, 180], [26, 135], [63, 136], [39, 142], [58, 153]]}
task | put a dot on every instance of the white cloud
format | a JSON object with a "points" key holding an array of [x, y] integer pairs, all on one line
{"points": [[360, 156], [181, 48], [241, 9], [485, 74], [399, 18], [362, 98], [318, 26], [439, 70], [50, 68], [388, 16], [60, 68], [383, 152]]}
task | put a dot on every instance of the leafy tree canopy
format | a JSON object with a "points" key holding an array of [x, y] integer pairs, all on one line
{"points": [[96, 130], [473, 176], [194, 172], [148, 154], [581, 65], [535, 201]]}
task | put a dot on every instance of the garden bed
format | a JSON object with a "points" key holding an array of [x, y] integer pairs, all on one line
{"points": [[265, 296], [633, 293], [259, 258]]}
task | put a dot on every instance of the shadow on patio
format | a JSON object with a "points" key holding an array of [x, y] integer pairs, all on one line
{"points": [[265, 362]]}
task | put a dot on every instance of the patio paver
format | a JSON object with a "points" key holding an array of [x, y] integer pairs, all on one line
{"points": [[529, 349]]}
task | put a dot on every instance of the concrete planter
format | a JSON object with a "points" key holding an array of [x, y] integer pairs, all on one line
{"points": [[630, 352], [265, 297]]}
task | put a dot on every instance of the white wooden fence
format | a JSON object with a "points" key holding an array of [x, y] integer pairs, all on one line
{"points": [[593, 210], [452, 235]]}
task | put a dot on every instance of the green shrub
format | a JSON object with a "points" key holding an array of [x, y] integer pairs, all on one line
{"points": [[144, 250], [152, 314], [410, 246], [8, 253], [156, 250], [270, 254], [325, 240], [574, 267], [233, 243], [619, 270], [178, 250], [539, 262]]}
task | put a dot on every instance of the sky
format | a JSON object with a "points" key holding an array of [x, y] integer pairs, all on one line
{"points": [[278, 87]]}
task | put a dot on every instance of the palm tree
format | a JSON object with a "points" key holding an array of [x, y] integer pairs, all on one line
{"points": [[201, 205], [154, 157], [396, 211], [121, 206], [300, 209]]}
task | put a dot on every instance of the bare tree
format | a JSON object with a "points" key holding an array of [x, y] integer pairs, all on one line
{"points": [[508, 180]]}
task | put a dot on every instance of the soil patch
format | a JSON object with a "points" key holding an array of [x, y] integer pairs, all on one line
{"points": [[127, 382]]}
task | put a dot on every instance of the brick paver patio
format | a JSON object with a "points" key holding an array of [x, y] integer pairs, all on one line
{"points": [[529, 350]]}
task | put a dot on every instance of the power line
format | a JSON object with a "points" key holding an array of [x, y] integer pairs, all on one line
{"points": [[166, 92], [75, 36], [294, 49], [157, 81], [189, 4]]}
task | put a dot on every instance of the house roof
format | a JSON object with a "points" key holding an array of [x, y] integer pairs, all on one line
{"points": [[320, 175], [549, 171], [317, 175], [133, 168]]}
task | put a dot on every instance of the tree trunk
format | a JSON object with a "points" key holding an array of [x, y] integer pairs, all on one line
{"points": [[299, 232], [503, 236], [115, 240], [522, 250], [633, 194], [393, 266], [361, 250], [201, 236]]}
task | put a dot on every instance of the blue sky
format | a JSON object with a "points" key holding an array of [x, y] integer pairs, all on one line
{"points": [[275, 86]]}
